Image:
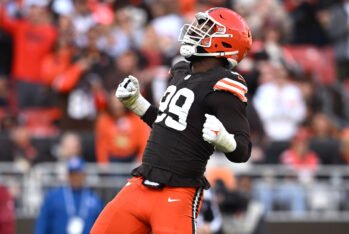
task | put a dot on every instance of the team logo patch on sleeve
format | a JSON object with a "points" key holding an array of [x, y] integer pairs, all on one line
{"points": [[232, 86]]}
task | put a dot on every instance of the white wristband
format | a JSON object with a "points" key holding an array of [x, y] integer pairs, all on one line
{"points": [[226, 142], [140, 106]]}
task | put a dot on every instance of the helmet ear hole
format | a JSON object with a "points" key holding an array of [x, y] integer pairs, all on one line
{"points": [[215, 45], [226, 45]]}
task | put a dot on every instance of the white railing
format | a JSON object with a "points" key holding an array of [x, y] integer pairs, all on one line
{"points": [[29, 186]]}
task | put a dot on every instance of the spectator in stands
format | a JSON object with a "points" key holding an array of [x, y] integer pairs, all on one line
{"points": [[126, 31], [299, 156], [72, 208], [125, 64], [7, 122], [150, 47], [313, 93], [223, 175], [273, 38], [257, 14], [146, 64], [286, 195], [120, 135], [290, 196], [281, 108], [338, 29], [69, 146], [60, 72], [344, 147], [83, 21], [4, 92], [7, 212], [210, 219], [24, 152], [320, 97], [58, 62], [33, 37], [167, 24], [324, 141], [308, 19], [80, 83], [232, 198]]}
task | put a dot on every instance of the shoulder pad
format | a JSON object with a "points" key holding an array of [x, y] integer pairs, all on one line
{"points": [[235, 85]]}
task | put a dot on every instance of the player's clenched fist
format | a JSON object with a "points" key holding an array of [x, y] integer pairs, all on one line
{"points": [[128, 89], [214, 133], [128, 93]]}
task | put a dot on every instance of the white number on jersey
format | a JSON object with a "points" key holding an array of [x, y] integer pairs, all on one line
{"points": [[170, 102]]}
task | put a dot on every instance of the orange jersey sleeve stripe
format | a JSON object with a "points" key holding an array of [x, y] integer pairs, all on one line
{"points": [[231, 89], [235, 84]]}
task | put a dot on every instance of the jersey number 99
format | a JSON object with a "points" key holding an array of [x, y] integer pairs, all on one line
{"points": [[174, 107]]}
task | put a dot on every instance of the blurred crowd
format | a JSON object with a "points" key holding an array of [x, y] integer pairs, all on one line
{"points": [[61, 61]]}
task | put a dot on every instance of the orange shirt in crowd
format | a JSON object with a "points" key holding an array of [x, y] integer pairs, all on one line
{"points": [[292, 158], [31, 44], [62, 75], [58, 71], [120, 137]]}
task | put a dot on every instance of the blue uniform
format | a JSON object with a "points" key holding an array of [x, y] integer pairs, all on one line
{"points": [[54, 215]]}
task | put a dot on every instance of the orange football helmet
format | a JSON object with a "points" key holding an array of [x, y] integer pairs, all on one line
{"points": [[218, 32]]}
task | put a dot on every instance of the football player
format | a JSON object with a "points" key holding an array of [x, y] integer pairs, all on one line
{"points": [[203, 109]]}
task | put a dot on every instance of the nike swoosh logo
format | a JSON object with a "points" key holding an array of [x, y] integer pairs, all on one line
{"points": [[173, 200]]}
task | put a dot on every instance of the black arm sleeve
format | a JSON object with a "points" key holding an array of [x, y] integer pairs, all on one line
{"points": [[150, 115], [232, 113]]}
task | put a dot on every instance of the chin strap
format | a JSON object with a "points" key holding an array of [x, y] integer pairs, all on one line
{"points": [[189, 50]]}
